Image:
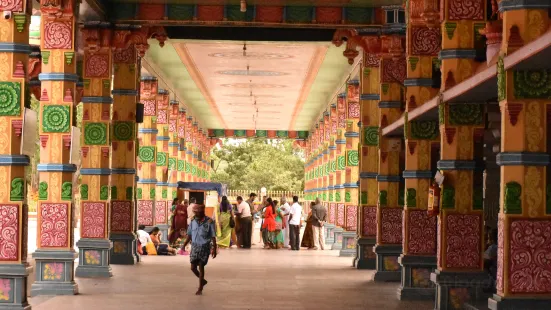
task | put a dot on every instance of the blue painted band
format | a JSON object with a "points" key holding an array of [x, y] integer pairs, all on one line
{"points": [[174, 102], [58, 77], [417, 174], [34, 82], [90, 99], [340, 141], [162, 91], [95, 171], [148, 78], [333, 105], [147, 181], [124, 92], [172, 184], [350, 185], [332, 147], [123, 171], [163, 138], [148, 130], [15, 48], [388, 178], [370, 97], [162, 184], [326, 152], [522, 159], [390, 104], [510, 5], [457, 165], [351, 134], [341, 95], [418, 82], [457, 53], [173, 144], [338, 186], [14, 160], [353, 82], [189, 152], [368, 175], [56, 168]]}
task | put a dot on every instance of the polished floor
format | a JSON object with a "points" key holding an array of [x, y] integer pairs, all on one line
{"points": [[238, 279]]}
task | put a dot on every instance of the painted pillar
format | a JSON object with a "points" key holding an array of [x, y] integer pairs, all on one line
{"points": [[524, 223], [173, 153], [369, 160], [189, 152], [161, 188], [14, 268], [194, 136], [94, 244], [340, 212], [391, 162], [55, 254], [352, 173], [332, 164], [418, 258], [181, 145], [126, 76], [147, 138]]}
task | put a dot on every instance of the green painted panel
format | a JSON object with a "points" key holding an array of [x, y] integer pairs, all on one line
{"points": [[359, 15], [233, 13], [298, 14], [124, 11], [180, 12]]}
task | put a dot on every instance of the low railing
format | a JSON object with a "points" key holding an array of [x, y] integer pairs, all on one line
{"points": [[276, 195]]}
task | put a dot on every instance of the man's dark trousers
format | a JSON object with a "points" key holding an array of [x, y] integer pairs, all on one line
{"points": [[294, 235], [246, 231]]}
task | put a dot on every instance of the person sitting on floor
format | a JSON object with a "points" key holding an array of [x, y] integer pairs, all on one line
{"points": [[143, 238], [162, 248]]}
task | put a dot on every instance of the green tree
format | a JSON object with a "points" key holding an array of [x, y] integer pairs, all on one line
{"points": [[256, 163]]}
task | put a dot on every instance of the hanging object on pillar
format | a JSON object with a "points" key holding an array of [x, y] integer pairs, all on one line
{"points": [[139, 112], [243, 6], [433, 208]]}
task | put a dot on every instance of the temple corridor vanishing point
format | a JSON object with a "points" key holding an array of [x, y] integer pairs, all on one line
{"points": [[432, 129]]}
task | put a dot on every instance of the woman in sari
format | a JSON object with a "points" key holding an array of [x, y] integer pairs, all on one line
{"points": [[269, 225], [308, 237], [224, 219], [178, 222], [280, 226]]}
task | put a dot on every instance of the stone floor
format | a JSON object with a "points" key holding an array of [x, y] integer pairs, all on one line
{"points": [[238, 279]]}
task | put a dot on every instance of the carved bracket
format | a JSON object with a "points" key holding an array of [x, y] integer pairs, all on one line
{"points": [[513, 110]]}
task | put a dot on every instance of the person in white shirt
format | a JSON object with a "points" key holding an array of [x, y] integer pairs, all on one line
{"points": [[295, 222], [245, 223], [190, 213], [285, 209], [143, 237]]}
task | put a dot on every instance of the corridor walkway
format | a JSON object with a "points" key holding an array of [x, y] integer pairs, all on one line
{"points": [[238, 279]]}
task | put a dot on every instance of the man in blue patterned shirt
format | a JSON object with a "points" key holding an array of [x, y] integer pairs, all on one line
{"points": [[201, 233]]}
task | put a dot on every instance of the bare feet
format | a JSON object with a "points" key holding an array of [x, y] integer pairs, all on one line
{"points": [[199, 291], [205, 282]]}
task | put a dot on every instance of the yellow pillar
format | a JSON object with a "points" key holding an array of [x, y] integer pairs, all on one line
{"points": [[163, 136]]}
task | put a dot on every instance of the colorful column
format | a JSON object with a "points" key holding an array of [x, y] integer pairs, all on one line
{"points": [[161, 188], [173, 153], [188, 148], [55, 254], [126, 75], [391, 164], [14, 50], [524, 223], [94, 244], [181, 145], [352, 173], [339, 206], [418, 258], [147, 139], [369, 160], [332, 164]]}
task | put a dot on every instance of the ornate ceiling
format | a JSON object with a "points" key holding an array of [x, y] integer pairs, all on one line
{"points": [[275, 86], [328, 3]]}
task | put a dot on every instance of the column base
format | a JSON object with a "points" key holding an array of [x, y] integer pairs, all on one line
{"points": [[93, 258], [388, 268], [455, 290], [365, 257], [329, 238], [497, 302], [16, 276], [348, 244], [124, 246], [337, 238], [164, 230], [54, 273], [416, 283]]}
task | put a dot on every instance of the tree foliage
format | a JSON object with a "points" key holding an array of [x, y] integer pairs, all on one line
{"points": [[256, 163]]}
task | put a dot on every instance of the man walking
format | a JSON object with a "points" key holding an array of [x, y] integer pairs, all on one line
{"points": [[319, 214], [201, 233], [285, 209], [250, 202], [295, 222], [245, 223]]}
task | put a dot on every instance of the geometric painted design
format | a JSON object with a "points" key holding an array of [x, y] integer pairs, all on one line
{"points": [[162, 117], [145, 212], [351, 217], [53, 272], [95, 133], [181, 165], [121, 216], [463, 241], [369, 221], [530, 246], [160, 212], [340, 215], [149, 107], [147, 154], [472, 10], [97, 66], [93, 220], [10, 99], [92, 257], [172, 163], [55, 118], [162, 158], [371, 136], [123, 131], [352, 158], [341, 162], [9, 229], [391, 225], [332, 213], [353, 110], [421, 233], [58, 34], [54, 225]]}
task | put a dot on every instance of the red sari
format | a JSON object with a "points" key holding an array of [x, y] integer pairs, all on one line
{"points": [[179, 221], [269, 219]]}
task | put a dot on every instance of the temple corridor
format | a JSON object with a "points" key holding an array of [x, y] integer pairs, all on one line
{"points": [[238, 279]]}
